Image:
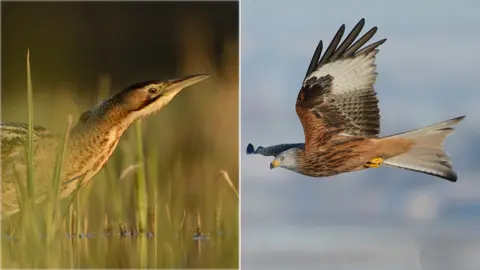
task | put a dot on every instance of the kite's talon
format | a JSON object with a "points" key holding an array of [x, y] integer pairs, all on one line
{"points": [[374, 162]]}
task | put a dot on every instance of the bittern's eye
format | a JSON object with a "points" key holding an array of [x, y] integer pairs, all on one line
{"points": [[152, 90]]}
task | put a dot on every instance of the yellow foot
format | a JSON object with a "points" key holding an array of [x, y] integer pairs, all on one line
{"points": [[374, 162]]}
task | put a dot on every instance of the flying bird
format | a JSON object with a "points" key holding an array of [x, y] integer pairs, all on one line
{"points": [[91, 142], [338, 108]]}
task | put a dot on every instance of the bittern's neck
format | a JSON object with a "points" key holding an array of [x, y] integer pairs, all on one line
{"points": [[103, 119], [94, 138]]}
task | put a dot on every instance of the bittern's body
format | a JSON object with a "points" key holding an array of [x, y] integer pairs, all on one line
{"points": [[91, 142]]}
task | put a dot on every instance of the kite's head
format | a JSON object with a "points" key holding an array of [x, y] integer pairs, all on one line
{"points": [[287, 159]]}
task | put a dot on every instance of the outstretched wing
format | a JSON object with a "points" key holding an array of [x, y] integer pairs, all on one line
{"points": [[337, 96], [273, 150]]}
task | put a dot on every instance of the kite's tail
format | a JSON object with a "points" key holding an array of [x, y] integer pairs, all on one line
{"points": [[427, 155]]}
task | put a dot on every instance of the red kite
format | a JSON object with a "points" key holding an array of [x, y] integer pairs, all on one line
{"points": [[338, 108]]}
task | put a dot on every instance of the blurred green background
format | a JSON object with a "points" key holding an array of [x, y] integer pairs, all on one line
{"points": [[82, 53]]}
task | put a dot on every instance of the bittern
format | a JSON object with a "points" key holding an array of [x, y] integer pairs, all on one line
{"points": [[338, 108], [91, 142]]}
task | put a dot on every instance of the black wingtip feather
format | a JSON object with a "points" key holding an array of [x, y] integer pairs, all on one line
{"points": [[360, 42], [333, 45], [348, 48], [371, 47], [250, 149], [351, 37], [315, 58]]}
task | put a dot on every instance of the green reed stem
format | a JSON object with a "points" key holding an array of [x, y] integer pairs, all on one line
{"points": [[141, 179], [30, 183], [141, 195], [73, 195], [56, 181]]}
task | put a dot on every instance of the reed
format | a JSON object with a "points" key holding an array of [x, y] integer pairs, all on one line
{"points": [[52, 204]]}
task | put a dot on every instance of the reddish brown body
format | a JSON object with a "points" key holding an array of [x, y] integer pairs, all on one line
{"points": [[349, 153]]}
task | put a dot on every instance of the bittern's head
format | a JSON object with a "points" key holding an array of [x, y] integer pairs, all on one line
{"points": [[142, 99]]}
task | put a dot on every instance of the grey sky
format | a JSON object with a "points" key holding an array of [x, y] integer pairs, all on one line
{"points": [[428, 72]]}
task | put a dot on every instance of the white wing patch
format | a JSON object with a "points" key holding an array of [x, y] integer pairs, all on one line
{"points": [[349, 74]]}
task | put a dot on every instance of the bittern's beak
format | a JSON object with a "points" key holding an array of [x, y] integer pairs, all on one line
{"points": [[178, 84], [274, 164]]}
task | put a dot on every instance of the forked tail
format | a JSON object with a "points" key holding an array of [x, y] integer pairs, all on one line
{"points": [[427, 154]]}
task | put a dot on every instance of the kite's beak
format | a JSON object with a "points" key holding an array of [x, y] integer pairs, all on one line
{"points": [[274, 164]]}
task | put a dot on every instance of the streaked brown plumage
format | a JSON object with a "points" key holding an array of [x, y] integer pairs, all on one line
{"points": [[92, 141], [338, 109]]}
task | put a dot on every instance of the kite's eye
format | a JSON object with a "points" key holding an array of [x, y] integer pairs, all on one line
{"points": [[282, 158]]}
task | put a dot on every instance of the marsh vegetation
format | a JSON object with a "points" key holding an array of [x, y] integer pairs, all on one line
{"points": [[168, 196]]}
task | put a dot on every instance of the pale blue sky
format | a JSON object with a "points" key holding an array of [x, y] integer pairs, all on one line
{"points": [[429, 70]]}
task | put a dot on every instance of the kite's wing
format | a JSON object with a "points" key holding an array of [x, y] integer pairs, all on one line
{"points": [[337, 96]]}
